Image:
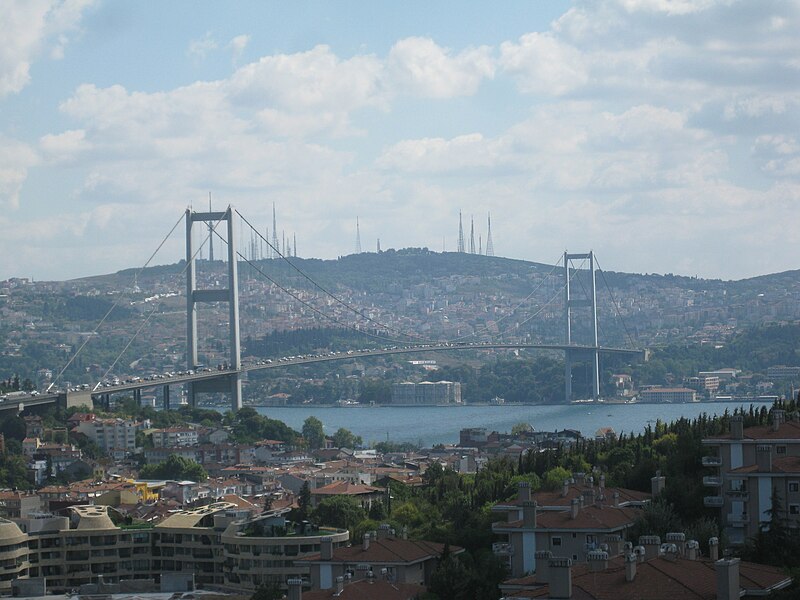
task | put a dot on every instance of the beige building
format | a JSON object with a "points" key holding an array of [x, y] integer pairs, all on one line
{"points": [[14, 561], [748, 468]]}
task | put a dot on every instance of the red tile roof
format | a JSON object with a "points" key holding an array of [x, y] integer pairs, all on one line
{"points": [[388, 550], [364, 590], [345, 488], [657, 579]]}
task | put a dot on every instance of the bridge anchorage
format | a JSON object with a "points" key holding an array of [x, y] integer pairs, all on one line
{"points": [[199, 380]]}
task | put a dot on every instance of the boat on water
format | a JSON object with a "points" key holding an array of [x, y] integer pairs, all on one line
{"points": [[497, 400]]}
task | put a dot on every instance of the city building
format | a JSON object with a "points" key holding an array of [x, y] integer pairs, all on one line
{"points": [[670, 395], [676, 572], [381, 555], [754, 470], [426, 392], [109, 433]]}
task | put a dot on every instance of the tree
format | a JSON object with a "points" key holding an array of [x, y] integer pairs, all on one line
{"points": [[449, 580], [313, 433], [344, 438], [175, 467], [304, 502], [339, 511], [270, 591], [521, 428]]}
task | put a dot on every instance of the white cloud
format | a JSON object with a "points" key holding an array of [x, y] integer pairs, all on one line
{"points": [[15, 160], [420, 67], [29, 27], [237, 45], [199, 48], [544, 65]]}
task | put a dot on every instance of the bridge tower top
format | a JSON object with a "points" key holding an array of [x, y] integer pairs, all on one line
{"points": [[229, 295]]}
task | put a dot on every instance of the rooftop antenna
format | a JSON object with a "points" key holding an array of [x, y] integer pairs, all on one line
{"points": [[471, 235], [275, 247], [210, 234], [489, 246], [460, 234], [358, 238]]}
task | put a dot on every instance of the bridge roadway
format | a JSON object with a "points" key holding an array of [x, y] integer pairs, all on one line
{"points": [[70, 398]]}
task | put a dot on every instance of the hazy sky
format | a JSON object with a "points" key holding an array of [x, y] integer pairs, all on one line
{"points": [[662, 134]]}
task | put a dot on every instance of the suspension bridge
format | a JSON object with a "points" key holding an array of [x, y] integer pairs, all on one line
{"points": [[227, 378]]}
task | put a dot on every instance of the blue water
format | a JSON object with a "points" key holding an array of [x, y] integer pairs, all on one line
{"points": [[440, 425]]}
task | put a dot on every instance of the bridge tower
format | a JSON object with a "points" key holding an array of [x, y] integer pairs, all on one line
{"points": [[569, 302], [232, 382]]}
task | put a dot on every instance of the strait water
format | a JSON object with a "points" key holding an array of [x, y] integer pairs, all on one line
{"points": [[428, 425]]}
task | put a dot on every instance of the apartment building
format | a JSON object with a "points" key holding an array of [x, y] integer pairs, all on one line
{"points": [[668, 395], [215, 545], [110, 433], [749, 470], [572, 522], [77, 549], [174, 436], [671, 571], [426, 392], [14, 561], [381, 555]]}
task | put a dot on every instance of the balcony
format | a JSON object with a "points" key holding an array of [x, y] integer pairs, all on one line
{"points": [[712, 461], [712, 481], [713, 501], [738, 519], [502, 549], [738, 494]]}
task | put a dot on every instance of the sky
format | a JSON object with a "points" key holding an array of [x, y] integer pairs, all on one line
{"points": [[662, 134]]}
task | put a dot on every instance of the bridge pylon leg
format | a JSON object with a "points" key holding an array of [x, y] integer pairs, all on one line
{"points": [[568, 375], [236, 392], [166, 397]]}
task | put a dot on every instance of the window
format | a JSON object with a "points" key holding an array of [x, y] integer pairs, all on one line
{"points": [[794, 486], [780, 450], [555, 542], [794, 509]]}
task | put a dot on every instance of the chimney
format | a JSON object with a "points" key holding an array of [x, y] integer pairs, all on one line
{"points": [[639, 553], [598, 560], [326, 548], [384, 531], [615, 497], [657, 484], [602, 485], [727, 578], [737, 427], [630, 567], [580, 477], [764, 458], [524, 491], [365, 543], [679, 539], [560, 578], [542, 558], [591, 482], [404, 532], [651, 544], [713, 548], [529, 514], [565, 488], [692, 550], [627, 548], [574, 508], [295, 589], [339, 585], [778, 418]]}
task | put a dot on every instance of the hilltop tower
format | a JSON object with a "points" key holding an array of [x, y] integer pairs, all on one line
{"points": [[489, 246], [294, 244], [460, 234], [379, 246], [275, 247], [358, 238], [471, 235]]}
